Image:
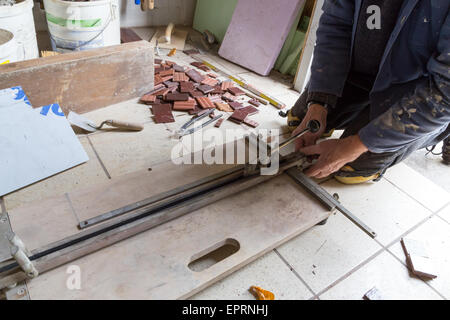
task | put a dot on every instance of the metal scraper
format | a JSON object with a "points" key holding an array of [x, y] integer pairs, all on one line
{"points": [[88, 125]]}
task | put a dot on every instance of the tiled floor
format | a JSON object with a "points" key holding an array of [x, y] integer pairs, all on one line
{"points": [[333, 261]]}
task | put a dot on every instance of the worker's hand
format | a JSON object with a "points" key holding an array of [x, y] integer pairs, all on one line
{"points": [[315, 112], [333, 155]]}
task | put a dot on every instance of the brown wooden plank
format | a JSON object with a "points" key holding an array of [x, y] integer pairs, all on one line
{"points": [[86, 80]]}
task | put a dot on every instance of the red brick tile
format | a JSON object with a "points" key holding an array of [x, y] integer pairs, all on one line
{"points": [[218, 123], [251, 122], [161, 92], [162, 113], [205, 103], [200, 65], [196, 93], [180, 77], [228, 97], [254, 102], [236, 91], [215, 98], [186, 87], [217, 90], [178, 68], [165, 73], [176, 97], [184, 105], [167, 78], [223, 107], [148, 98], [170, 84], [210, 82], [205, 88], [249, 110], [158, 79], [226, 84], [236, 105], [238, 116], [195, 76]]}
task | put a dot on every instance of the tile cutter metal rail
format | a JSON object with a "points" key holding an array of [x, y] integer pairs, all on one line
{"points": [[151, 212]]}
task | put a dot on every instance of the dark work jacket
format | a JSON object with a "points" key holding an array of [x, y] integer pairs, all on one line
{"points": [[409, 101]]}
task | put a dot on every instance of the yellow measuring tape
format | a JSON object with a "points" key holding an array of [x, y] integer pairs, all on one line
{"points": [[4, 62]]}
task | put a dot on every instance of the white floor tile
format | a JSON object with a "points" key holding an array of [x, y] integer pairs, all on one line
{"points": [[85, 174], [125, 152], [269, 85], [268, 272], [130, 111], [289, 97], [380, 205], [385, 273], [431, 166], [435, 233], [418, 187], [325, 253], [445, 213]]}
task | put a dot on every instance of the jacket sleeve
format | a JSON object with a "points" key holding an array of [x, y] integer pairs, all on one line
{"points": [[425, 110], [334, 35]]}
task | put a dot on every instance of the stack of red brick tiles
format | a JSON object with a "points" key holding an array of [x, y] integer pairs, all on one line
{"points": [[194, 91]]}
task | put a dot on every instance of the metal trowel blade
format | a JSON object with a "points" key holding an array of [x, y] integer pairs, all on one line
{"points": [[81, 122]]}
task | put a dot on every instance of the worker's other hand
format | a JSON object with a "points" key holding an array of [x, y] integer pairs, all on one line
{"points": [[315, 112], [333, 155]]}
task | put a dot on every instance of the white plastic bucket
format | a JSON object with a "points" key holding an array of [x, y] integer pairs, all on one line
{"points": [[8, 47], [76, 26], [19, 20]]}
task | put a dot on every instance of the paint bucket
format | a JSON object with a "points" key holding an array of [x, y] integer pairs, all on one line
{"points": [[75, 26], [19, 20], [8, 47]]}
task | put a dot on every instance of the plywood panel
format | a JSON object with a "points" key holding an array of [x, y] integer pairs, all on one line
{"points": [[85, 80], [154, 264]]}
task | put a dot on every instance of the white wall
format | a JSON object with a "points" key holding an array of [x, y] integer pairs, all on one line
{"points": [[180, 12]]}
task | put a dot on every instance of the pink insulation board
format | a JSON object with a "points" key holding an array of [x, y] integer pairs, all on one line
{"points": [[257, 32]]}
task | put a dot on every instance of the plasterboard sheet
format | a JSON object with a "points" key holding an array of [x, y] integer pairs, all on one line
{"points": [[257, 32], [34, 143]]}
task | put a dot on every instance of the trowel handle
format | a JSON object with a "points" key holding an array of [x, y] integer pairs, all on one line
{"points": [[125, 125], [168, 32]]}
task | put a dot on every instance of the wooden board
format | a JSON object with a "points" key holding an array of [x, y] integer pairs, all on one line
{"points": [[86, 80], [154, 264]]}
